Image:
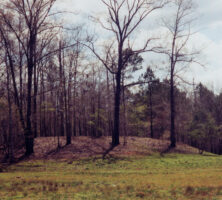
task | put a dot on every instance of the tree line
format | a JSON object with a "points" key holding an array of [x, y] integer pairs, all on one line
{"points": [[58, 80]]}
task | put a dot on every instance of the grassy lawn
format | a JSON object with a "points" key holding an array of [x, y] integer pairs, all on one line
{"points": [[174, 176]]}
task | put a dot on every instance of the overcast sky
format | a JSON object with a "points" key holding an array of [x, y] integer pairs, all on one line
{"points": [[209, 35]]}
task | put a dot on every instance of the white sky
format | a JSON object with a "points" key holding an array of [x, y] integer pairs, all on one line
{"points": [[209, 35]]}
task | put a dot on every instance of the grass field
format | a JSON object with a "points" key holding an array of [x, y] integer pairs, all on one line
{"points": [[173, 176]]}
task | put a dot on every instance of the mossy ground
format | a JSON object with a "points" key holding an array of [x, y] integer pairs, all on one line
{"points": [[173, 176]]}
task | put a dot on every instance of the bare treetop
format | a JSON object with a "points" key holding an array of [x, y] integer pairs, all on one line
{"points": [[122, 20], [125, 16]]}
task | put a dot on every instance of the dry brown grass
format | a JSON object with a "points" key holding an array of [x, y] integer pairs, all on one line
{"points": [[83, 147]]}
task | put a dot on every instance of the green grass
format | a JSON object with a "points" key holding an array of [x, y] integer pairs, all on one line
{"points": [[174, 176]]}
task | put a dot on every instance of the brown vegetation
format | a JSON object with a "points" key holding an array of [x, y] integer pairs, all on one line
{"points": [[85, 147]]}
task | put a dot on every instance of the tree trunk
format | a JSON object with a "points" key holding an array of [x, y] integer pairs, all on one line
{"points": [[29, 137], [68, 123], [35, 102], [172, 112], [108, 103], [10, 132], [61, 92], [29, 140], [115, 135], [67, 114], [124, 117], [151, 111]]}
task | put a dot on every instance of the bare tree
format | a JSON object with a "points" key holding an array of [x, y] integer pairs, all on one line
{"points": [[123, 18], [178, 52], [33, 16]]}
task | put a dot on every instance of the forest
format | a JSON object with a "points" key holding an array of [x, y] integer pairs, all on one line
{"points": [[62, 81], [54, 81]]}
